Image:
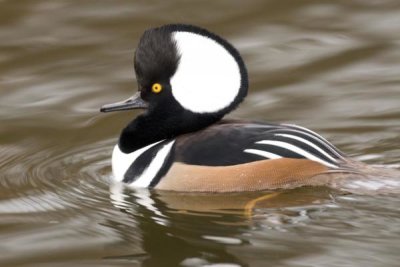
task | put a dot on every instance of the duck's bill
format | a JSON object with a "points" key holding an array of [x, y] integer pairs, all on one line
{"points": [[134, 102]]}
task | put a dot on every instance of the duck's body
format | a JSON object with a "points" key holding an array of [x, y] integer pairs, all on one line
{"points": [[232, 156], [188, 80]]}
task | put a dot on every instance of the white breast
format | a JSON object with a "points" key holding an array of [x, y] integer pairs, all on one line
{"points": [[121, 163]]}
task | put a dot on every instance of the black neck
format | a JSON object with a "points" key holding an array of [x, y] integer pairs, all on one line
{"points": [[149, 128]]}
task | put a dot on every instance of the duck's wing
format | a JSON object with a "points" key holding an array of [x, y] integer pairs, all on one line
{"points": [[228, 144], [250, 156]]}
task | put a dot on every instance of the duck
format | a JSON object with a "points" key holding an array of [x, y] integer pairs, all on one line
{"points": [[188, 79]]}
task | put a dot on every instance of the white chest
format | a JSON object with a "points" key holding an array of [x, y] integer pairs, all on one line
{"points": [[121, 162]]}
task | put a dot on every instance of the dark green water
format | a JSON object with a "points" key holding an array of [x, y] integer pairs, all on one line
{"points": [[332, 66]]}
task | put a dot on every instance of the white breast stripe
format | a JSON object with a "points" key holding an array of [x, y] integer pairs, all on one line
{"points": [[296, 150], [151, 171], [308, 143], [262, 153], [121, 161]]}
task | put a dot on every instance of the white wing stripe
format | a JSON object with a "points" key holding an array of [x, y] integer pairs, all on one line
{"points": [[314, 135], [308, 143], [296, 150], [151, 171], [262, 153]]}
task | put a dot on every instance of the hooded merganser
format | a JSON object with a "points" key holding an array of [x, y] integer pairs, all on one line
{"points": [[188, 79]]}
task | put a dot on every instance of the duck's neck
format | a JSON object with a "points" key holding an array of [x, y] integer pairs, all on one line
{"points": [[150, 128]]}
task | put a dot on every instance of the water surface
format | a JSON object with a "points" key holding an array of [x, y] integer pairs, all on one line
{"points": [[333, 67]]}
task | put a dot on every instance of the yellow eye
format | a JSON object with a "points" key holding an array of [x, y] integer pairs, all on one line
{"points": [[156, 88]]}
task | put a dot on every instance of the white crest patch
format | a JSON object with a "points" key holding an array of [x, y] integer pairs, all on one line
{"points": [[208, 76]]}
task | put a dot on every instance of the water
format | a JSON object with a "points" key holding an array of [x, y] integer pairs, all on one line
{"points": [[333, 67]]}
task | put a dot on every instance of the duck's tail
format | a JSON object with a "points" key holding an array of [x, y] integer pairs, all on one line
{"points": [[367, 179]]}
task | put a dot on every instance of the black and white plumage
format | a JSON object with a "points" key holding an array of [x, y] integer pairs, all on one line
{"points": [[188, 80]]}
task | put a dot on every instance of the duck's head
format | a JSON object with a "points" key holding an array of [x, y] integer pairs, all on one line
{"points": [[184, 69]]}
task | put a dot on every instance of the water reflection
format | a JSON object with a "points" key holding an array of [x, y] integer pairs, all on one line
{"points": [[198, 229], [225, 236]]}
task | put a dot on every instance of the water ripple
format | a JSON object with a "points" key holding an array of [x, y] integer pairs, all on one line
{"points": [[48, 180]]}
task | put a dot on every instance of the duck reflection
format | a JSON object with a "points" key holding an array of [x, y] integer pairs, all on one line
{"points": [[187, 229]]}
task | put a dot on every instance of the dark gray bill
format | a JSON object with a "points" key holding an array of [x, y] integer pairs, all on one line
{"points": [[134, 102]]}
